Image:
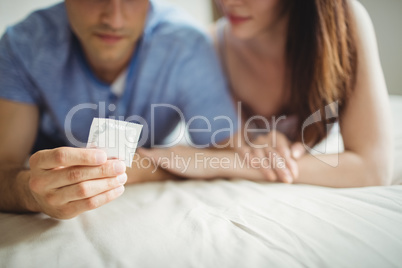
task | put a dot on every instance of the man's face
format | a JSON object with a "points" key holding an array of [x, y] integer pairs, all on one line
{"points": [[107, 29]]}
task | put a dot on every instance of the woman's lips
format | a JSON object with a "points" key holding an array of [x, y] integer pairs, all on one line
{"points": [[109, 39], [238, 19]]}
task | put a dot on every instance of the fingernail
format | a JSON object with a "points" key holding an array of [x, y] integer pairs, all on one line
{"points": [[289, 180], [120, 190], [119, 167], [101, 157], [288, 176], [122, 179], [271, 175], [296, 154]]}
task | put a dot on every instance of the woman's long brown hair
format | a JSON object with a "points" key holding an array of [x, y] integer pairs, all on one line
{"points": [[322, 61]]}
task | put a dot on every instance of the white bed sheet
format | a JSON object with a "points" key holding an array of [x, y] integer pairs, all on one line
{"points": [[220, 224], [217, 224]]}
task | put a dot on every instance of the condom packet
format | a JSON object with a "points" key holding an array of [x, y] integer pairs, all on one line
{"points": [[119, 139]]}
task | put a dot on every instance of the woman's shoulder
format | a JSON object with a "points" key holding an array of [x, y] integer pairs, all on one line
{"points": [[366, 39], [357, 7], [361, 16]]}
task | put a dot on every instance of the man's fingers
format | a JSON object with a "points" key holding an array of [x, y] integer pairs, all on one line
{"points": [[284, 175], [258, 153], [265, 164], [293, 167], [286, 154], [98, 200], [67, 157], [278, 140], [88, 189], [279, 166], [73, 175], [75, 208], [282, 160], [269, 174], [244, 151], [284, 151]]}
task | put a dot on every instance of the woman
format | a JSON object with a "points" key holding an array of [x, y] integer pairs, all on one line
{"points": [[293, 58]]}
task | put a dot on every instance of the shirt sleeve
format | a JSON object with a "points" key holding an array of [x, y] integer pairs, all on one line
{"points": [[15, 84], [204, 96]]}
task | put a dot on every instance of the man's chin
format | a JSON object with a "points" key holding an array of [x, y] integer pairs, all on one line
{"points": [[109, 59]]}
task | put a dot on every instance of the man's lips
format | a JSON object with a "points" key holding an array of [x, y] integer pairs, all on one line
{"points": [[234, 19], [110, 39]]}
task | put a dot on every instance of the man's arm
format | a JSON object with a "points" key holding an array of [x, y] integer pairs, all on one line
{"points": [[63, 182], [144, 169], [204, 164], [19, 124]]}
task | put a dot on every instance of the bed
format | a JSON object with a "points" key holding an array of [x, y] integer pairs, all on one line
{"points": [[220, 224]]}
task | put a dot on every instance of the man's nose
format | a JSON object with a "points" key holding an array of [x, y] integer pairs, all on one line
{"points": [[113, 14]]}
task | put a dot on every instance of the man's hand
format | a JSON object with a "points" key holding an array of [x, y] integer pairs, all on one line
{"points": [[66, 182], [278, 156]]}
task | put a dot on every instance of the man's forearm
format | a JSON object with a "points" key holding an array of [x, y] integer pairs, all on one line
{"points": [[234, 165], [144, 170], [14, 190]]}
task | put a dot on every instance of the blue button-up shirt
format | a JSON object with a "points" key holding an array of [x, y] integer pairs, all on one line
{"points": [[174, 74]]}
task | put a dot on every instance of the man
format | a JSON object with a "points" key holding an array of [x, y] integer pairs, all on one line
{"points": [[65, 65]]}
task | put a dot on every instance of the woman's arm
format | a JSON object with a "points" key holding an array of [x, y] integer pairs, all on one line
{"points": [[365, 124]]}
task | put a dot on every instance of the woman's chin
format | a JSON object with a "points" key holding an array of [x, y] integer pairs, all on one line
{"points": [[241, 34]]}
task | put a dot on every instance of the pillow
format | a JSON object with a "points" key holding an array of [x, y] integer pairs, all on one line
{"points": [[396, 107]]}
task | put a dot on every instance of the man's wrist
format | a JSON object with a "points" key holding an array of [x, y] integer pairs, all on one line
{"points": [[227, 167], [27, 201]]}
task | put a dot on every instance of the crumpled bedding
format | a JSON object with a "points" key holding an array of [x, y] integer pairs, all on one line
{"points": [[216, 224]]}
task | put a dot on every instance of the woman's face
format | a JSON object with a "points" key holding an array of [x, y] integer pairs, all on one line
{"points": [[249, 18]]}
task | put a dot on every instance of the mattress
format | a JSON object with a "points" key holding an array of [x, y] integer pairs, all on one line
{"points": [[221, 223]]}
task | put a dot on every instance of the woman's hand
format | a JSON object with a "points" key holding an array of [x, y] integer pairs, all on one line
{"points": [[277, 156]]}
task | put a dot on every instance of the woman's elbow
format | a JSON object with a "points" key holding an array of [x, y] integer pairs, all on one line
{"points": [[383, 180], [379, 173]]}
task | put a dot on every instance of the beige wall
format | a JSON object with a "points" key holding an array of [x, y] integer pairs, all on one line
{"points": [[387, 19], [12, 11]]}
